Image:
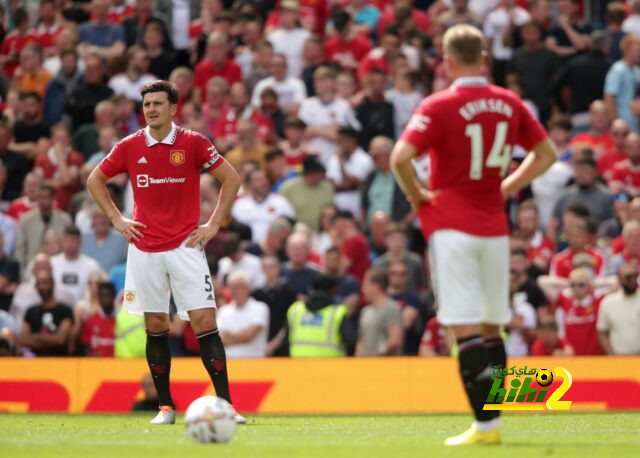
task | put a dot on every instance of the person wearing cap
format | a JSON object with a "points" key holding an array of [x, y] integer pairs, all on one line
{"points": [[288, 39], [277, 168], [348, 169], [324, 114], [346, 48], [586, 190], [309, 192], [318, 327], [548, 342]]}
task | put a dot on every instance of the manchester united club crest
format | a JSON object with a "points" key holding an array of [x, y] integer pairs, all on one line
{"points": [[130, 296], [177, 157]]}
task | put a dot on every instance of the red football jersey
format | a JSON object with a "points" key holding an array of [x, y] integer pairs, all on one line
{"points": [[47, 36], [540, 247], [598, 143], [11, 46], [98, 334], [345, 52], [435, 336], [608, 160], [538, 347], [562, 263], [580, 323], [205, 70], [626, 175], [469, 131], [166, 182]]}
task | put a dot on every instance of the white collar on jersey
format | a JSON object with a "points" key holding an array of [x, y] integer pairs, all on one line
{"points": [[465, 81], [168, 140]]}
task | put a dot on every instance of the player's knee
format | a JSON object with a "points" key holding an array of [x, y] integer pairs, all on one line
{"points": [[202, 320], [156, 322]]}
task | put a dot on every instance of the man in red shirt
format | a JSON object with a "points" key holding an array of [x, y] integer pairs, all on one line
{"points": [[625, 175], [215, 63], [469, 131], [578, 238], [352, 243], [49, 29], [548, 342], [346, 49], [598, 138], [98, 331], [15, 41], [435, 340], [166, 254], [619, 131], [539, 248], [381, 58]]}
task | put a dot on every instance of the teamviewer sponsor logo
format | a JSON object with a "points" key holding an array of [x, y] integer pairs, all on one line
{"points": [[145, 180]]}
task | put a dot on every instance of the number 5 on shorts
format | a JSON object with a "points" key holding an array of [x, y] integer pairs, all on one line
{"points": [[207, 283]]}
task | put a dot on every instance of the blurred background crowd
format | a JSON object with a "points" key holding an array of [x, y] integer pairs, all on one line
{"points": [[321, 254]]}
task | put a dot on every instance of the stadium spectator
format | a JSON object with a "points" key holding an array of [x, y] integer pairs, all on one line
{"points": [[288, 38], [569, 35], [104, 244], [521, 326], [299, 272], [347, 288], [584, 76], [586, 190], [274, 243], [30, 76], [374, 112], [99, 35], [107, 139], [130, 82], [365, 17], [161, 56], [278, 296], [396, 242], [8, 230], [597, 138], [323, 239], [413, 313], [98, 330], [249, 146], [548, 342], [215, 63], [376, 235], [318, 327], [611, 229], [60, 165], [347, 48], [15, 41], [8, 334], [313, 54], [9, 276], [539, 248], [614, 17], [15, 164], [436, 340], [270, 109], [619, 132], [631, 25], [458, 13], [290, 90], [536, 66], [347, 170], [82, 101], [402, 8], [523, 282], [61, 86], [88, 305], [379, 191], [261, 64], [72, 268], [625, 176], [237, 259], [621, 81], [34, 224], [577, 233], [149, 403], [324, 114], [353, 244], [85, 138], [294, 144], [277, 169], [46, 329], [404, 97], [260, 205], [380, 326], [619, 316], [31, 129], [244, 322]]}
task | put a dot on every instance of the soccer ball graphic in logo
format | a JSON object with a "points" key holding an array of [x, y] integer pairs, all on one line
{"points": [[544, 377], [210, 419]]}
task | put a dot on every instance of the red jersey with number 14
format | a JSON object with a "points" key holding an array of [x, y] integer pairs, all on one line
{"points": [[469, 131], [165, 177]]}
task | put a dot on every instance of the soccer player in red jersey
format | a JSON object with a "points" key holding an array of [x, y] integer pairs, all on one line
{"points": [[468, 131], [166, 254]]}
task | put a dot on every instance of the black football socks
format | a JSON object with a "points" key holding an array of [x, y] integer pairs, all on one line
{"points": [[159, 359], [214, 359], [476, 376]]}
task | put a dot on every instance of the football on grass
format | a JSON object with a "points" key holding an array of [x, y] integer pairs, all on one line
{"points": [[210, 419]]}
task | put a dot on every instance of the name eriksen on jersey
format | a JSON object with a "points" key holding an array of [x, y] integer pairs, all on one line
{"points": [[475, 107]]}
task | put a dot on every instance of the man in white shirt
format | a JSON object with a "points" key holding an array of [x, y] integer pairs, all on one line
{"points": [[498, 28], [289, 38], [236, 259], [347, 170], [72, 269], [291, 91], [244, 322], [632, 23], [130, 82], [260, 206], [324, 114]]}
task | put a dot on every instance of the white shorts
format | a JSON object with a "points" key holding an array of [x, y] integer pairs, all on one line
{"points": [[152, 277], [471, 277]]}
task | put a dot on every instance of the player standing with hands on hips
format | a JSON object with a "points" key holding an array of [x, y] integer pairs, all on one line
{"points": [[166, 253], [469, 131]]}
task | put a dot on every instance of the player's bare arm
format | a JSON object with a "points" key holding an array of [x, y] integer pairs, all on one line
{"points": [[402, 167], [535, 164], [230, 183], [97, 185]]}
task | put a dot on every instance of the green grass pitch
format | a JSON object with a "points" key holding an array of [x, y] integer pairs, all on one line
{"points": [[122, 436]]}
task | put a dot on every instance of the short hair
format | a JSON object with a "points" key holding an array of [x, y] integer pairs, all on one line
{"points": [[579, 210], [49, 188], [584, 156], [349, 132], [528, 204], [239, 276], [72, 229], [333, 249], [378, 277], [464, 43], [181, 71], [394, 228], [627, 41], [219, 82], [616, 12], [382, 141], [268, 92], [599, 40], [108, 286], [519, 251], [20, 15], [560, 121], [230, 244], [278, 224], [30, 95], [101, 105], [629, 226], [161, 86], [273, 153], [132, 50], [217, 37], [61, 125], [34, 48], [344, 214], [324, 71]]}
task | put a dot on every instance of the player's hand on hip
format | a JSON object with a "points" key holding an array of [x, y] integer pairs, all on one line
{"points": [[424, 196], [202, 235], [129, 229]]}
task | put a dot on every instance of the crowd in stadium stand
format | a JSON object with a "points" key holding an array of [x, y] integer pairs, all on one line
{"points": [[321, 254]]}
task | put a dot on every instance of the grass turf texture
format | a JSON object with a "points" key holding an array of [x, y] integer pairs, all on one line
{"points": [[122, 436]]}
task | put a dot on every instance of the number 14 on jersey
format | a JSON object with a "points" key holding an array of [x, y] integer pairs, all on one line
{"points": [[499, 156]]}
